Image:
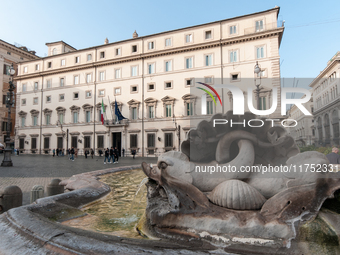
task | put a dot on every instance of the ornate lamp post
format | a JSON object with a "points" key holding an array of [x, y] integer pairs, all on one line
{"points": [[7, 161], [178, 131], [61, 127], [257, 70]]}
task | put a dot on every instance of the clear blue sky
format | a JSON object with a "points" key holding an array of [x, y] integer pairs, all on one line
{"points": [[310, 39]]}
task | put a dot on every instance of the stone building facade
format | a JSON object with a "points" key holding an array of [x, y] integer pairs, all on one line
{"points": [[151, 78], [9, 54], [303, 129], [326, 87]]}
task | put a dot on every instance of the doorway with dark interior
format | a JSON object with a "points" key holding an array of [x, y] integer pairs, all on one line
{"points": [[117, 141]]}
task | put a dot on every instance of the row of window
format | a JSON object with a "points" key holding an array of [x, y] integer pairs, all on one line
{"points": [[325, 83], [327, 97], [133, 88], [168, 113], [151, 142], [168, 64]]}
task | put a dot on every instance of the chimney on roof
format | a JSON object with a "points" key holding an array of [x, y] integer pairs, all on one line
{"points": [[32, 52], [106, 41], [23, 48], [134, 35]]}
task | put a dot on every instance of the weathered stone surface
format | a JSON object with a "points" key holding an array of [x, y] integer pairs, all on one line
{"points": [[238, 195]]}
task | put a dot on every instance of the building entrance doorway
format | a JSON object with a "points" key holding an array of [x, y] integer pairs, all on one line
{"points": [[117, 141]]}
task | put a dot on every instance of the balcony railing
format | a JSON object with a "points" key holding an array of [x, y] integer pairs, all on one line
{"points": [[266, 26]]}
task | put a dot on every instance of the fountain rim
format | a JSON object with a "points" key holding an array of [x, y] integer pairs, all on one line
{"points": [[37, 233]]}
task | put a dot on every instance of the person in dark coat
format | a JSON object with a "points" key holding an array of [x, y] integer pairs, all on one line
{"points": [[116, 155], [123, 152], [57, 152], [133, 152], [92, 153], [334, 157], [107, 155], [112, 152]]}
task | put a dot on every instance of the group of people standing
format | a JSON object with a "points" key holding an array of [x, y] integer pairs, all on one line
{"points": [[58, 152], [113, 154]]}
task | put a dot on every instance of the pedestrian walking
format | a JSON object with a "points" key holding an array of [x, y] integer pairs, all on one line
{"points": [[57, 152], [53, 151], [133, 151], [116, 153], [72, 154], [112, 152], [123, 152], [92, 153], [86, 152], [107, 155]]}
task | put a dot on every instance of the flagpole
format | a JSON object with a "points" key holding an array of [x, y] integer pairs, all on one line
{"points": [[110, 109]]}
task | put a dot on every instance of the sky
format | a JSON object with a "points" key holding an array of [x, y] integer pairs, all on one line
{"points": [[310, 39]]}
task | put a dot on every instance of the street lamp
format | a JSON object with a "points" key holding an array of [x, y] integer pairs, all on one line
{"points": [[63, 132], [257, 71], [7, 161], [178, 131]]}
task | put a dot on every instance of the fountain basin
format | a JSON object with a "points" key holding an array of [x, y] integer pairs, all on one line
{"points": [[32, 229]]}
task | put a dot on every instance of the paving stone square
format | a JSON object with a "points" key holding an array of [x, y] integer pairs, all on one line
{"points": [[30, 170]]}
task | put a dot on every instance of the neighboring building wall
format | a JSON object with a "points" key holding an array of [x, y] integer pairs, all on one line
{"points": [[326, 87], [157, 71], [9, 54], [303, 133]]}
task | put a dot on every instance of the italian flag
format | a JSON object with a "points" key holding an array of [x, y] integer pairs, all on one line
{"points": [[102, 110]]}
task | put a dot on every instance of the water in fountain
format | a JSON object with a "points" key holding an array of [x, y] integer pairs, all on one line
{"points": [[113, 214], [141, 185]]}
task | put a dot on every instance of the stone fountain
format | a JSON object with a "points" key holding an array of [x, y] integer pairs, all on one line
{"points": [[243, 189], [231, 190]]}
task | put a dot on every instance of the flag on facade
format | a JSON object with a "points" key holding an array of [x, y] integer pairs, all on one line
{"points": [[118, 113], [102, 111]]}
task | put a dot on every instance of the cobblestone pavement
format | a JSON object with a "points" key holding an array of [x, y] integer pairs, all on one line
{"points": [[30, 170]]}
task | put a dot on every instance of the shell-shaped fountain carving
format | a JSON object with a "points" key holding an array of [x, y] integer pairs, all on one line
{"points": [[238, 195]]}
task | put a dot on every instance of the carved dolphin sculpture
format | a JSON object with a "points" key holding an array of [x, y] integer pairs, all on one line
{"points": [[181, 194]]}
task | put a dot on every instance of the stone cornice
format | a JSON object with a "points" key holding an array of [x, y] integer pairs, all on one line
{"points": [[195, 47]]}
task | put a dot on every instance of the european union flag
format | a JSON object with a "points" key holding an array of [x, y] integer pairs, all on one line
{"points": [[117, 112]]}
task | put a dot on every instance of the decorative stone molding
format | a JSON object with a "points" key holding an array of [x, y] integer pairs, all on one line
{"points": [[151, 130], [168, 129], [34, 112], [133, 103], [60, 134], [101, 132], [22, 135], [74, 133], [47, 111], [74, 108], [134, 131], [87, 107], [150, 101], [22, 114], [47, 134], [87, 133], [34, 135], [60, 109]]}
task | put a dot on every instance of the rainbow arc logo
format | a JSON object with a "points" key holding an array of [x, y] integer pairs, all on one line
{"points": [[209, 93], [204, 98]]}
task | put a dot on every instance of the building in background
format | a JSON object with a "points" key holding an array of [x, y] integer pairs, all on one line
{"points": [[327, 103], [9, 54], [303, 129], [152, 78]]}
